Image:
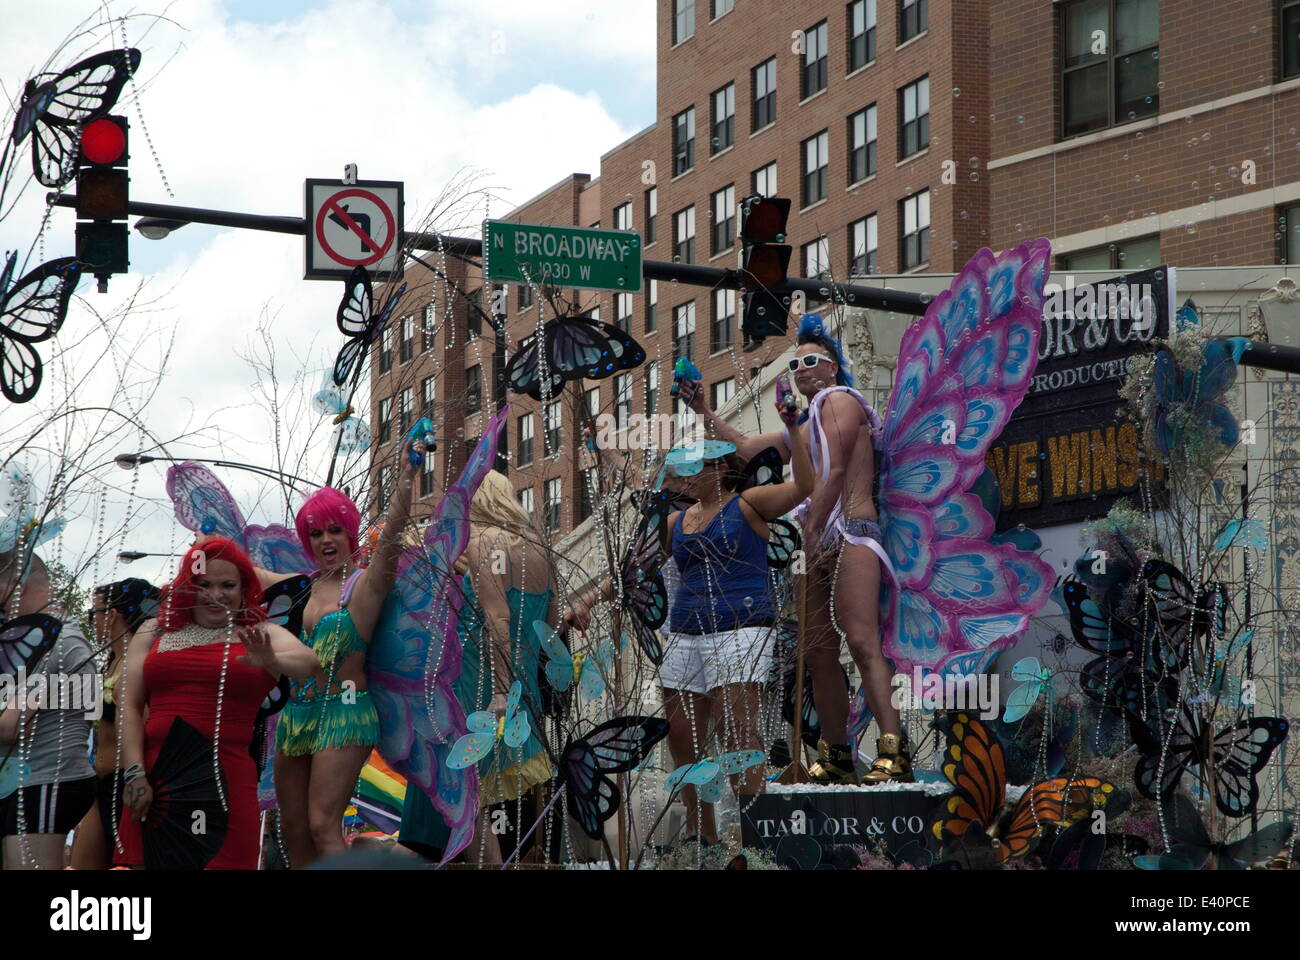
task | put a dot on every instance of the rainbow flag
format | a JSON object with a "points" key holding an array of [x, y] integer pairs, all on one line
{"points": [[380, 794]]}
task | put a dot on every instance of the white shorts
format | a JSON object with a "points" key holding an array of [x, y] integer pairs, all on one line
{"points": [[700, 663]]}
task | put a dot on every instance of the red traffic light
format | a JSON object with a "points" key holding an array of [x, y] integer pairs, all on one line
{"points": [[103, 141], [764, 219]]}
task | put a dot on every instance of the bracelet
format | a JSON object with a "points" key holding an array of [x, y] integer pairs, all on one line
{"points": [[133, 773]]}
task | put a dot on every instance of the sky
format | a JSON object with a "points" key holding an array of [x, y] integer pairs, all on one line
{"points": [[238, 102]]}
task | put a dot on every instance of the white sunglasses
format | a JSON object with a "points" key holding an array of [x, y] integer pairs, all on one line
{"points": [[808, 361]]}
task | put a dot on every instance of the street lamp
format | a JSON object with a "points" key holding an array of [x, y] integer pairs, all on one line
{"points": [[129, 461], [157, 228], [129, 556]]}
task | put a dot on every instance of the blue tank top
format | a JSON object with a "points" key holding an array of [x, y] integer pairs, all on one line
{"points": [[724, 575]]}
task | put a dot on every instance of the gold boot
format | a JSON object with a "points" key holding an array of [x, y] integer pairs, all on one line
{"points": [[893, 763], [835, 765]]}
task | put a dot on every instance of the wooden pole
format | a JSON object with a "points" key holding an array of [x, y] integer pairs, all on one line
{"points": [[796, 772]]}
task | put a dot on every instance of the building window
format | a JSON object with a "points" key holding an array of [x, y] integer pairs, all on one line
{"points": [[763, 181], [525, 297], [1290, 34], [723, 322], [1125, 256], [651, 387], [912, 18], [862, 144], [720, 7], [426, 475], [684, 330], [862, 33], [553, 500], [623, 216], [916, 229], [474, 389], [591, 401], [406, 344], [585, 498], [683, 20], [385, 419], [428, 327], [385, 482], [428, 394], [1110, 74], [814, 61], [684, 235], [551, 424], [914, 115], [623, 311], [622, 399], [651, 208], [722, 392], [816, 162], [764, 89], [817, 257], [524, 448], [474, 313], [683, 141], [862, 243], [651, 301], [724, 118], [724, 219], [525, 497], [386, 350], [404, 410]]}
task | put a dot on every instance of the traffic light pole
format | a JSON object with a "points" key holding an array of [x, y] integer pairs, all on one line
{"points": [[876, 298]]}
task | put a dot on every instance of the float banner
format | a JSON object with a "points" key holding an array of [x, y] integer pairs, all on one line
{"points": [[819, 829], [1066, 455]]}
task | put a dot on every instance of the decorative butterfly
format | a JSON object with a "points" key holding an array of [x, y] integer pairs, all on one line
{"points": [[1081, 840], [764, 467], [1195, 396], [1192, 847], [24, 640], [783, 542], [358, 320], [351, 433], [55, 107], [563, 668], [574, 348], [1034, 679], [976, 820], [1237, 755], [485, 730], [709, 776], [1242, 533], [615, 746], [645, 596], [32, 310]]}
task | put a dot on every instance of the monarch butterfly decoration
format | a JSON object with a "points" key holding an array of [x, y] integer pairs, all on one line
{"points": [[976, 827]]}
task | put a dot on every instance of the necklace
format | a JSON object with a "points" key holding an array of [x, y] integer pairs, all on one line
{"points": [[190, 635]]}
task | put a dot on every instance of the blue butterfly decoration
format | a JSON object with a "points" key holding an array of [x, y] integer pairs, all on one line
{"points": [[709, 776], [563, 668], [1034, 680], [351, 433], [1195, 395], [1242, 533], [485, 730]]}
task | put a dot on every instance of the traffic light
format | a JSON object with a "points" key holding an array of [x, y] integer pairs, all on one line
{"points": [[103, 191], [764, 267]]}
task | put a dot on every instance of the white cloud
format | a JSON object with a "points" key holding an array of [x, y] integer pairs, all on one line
{"points": [[241, 113]]}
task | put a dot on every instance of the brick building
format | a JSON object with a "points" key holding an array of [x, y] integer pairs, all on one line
{"points": [[908, 134]]}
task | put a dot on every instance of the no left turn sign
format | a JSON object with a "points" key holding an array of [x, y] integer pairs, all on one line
{"points": [[353, 225]]}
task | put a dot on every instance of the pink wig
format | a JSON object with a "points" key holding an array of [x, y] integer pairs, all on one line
{"points": [[324, 507]]}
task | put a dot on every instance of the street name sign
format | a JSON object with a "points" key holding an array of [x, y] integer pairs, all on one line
{"points": [[564, 256]]}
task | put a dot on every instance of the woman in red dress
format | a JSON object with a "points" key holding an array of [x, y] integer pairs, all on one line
{"points": [[187, 664]]}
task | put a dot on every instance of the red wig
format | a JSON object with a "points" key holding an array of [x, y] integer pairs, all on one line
{"points": [[324, 507], [178, 600]]}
